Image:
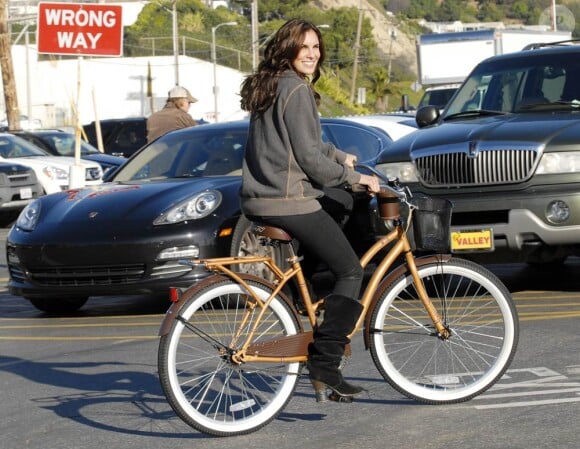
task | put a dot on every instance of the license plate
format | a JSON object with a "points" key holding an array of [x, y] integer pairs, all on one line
{"points": [[25, 193], [472, 240]]}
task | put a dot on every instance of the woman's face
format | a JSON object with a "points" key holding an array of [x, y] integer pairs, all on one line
{"points": [[308, 55]]}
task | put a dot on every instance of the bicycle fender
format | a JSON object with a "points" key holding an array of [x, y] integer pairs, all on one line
{"points": [[173, 311], [175, 307], [388, 280]]}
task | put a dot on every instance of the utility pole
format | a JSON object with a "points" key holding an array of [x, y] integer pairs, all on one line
{"points": [[7, 68], [255, 36], [175, 43], [356, 50]]}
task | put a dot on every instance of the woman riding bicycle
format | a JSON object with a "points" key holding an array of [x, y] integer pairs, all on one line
{"points": [[287, 166]]}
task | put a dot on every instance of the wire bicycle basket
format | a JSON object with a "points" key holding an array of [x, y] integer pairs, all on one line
{"points": [[432, 223]]}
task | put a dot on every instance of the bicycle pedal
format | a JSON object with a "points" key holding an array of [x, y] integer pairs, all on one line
{"points": [[338, 398], [304, 312], [301, 309]]}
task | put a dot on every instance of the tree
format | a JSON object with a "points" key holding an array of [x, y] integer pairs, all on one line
{"points": [[10, 98], [519, 10], [490, 12], [426, 9], [380, 88], [449, 11]]}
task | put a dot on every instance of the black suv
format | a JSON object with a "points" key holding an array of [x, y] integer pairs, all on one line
{"points": [[18, 187], [506, 152], [121, 137]]}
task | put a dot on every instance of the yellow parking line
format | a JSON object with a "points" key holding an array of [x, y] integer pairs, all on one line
{"points": [[75, 338], [547, 316], [537, 296], [525, 317], [85, 318], [73, 326], [538, 306]]}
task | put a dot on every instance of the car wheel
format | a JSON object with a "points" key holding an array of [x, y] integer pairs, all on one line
{"points": [[245, 243], [57, 305], [8, 218], [547, 255]]}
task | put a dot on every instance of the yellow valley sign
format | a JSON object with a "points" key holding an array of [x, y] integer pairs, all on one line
{"points": [[472, 240]]}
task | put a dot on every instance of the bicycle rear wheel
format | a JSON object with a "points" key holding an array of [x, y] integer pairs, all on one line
{"points": [[477, 309], [202, 383]]}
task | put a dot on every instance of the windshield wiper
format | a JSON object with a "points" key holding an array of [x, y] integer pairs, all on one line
{"points": [[474, 113], [198, 174]]}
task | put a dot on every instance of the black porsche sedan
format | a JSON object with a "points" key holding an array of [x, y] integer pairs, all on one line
{"points": [[177, 198]]}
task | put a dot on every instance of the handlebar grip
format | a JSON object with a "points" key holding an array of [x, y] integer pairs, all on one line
{"points": [[391, 184]]}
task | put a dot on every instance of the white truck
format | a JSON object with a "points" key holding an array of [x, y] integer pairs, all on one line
{"points": [[445, 59]]}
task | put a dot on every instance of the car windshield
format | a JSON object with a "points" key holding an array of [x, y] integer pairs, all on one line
{"points": [[437, 97], [211, 152], [64, 143], [12, 146], [519, 84]]}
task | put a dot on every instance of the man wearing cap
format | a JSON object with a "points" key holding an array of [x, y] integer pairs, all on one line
{"points": [[174, 114]]}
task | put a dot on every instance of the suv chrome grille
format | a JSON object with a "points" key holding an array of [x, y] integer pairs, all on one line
{"points": [[483, 166]]}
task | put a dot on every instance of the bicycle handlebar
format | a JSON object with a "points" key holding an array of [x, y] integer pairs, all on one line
{"points": [[390, 184]]}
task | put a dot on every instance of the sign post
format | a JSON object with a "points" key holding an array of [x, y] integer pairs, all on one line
{"points": [[79, 29]]}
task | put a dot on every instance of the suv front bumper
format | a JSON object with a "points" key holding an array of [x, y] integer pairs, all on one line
{"points": [[518, 218]]}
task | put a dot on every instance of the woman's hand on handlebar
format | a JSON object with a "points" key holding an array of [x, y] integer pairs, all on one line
{"points": [[370, 182], [350, 160], [390, 184]]}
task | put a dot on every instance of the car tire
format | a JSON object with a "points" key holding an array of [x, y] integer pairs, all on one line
{"points": [[245, 243], [58, 305], [8, 218]]}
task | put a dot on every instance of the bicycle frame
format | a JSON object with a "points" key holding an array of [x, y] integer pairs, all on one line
{"points": [[440, 330], [294, 348]]}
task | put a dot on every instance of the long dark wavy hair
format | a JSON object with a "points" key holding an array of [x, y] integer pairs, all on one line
{"points": [[259, 89]]}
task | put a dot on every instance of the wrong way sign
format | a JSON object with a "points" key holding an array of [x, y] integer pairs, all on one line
{"points": [[80, 29]]}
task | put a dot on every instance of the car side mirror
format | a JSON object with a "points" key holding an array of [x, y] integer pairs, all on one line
{"points": [[427, 115], [109, 173]]}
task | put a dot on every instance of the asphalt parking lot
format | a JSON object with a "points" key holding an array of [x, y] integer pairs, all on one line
{"points": [[90, 380]]}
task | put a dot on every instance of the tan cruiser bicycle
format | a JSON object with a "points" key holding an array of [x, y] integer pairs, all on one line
{"points": [[440, 329]]}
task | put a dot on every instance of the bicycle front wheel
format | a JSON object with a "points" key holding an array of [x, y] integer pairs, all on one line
{"points": [[478, 311], [203, 384]]}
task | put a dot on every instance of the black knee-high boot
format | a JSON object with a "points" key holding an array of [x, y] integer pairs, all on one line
{"points": [[330, 338]]}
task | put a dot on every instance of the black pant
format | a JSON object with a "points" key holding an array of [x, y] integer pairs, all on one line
{"points": [[321, 236], [338, 203]]}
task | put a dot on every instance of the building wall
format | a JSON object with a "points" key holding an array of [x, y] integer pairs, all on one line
{"points": [[117, 87]]}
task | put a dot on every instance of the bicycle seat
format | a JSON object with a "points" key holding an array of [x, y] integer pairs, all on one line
{"points": [[271, 232]]}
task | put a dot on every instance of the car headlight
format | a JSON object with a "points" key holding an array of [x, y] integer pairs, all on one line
{"points": [[55, 173], [198, 206], [551, 163], [405, 171], [29, 216]]}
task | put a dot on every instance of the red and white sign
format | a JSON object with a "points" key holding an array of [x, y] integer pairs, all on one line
{"points": [[80, 29]]}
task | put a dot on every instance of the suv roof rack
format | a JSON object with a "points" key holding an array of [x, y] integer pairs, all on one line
{"points": [[537, 45]]}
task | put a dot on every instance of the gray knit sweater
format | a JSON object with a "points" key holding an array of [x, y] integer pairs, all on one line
{"points": [[286, 161]]}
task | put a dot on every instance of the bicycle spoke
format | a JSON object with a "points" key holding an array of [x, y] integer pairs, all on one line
{"points": [[477, 310], [204, 383]]}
